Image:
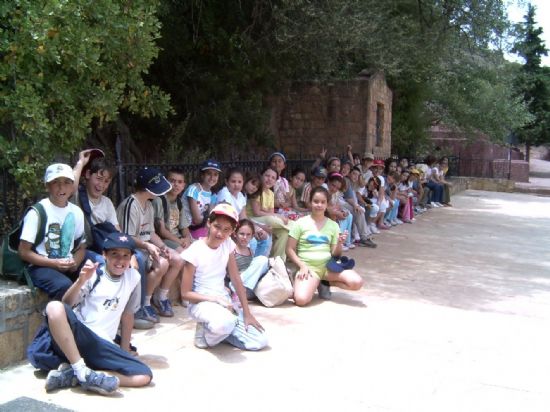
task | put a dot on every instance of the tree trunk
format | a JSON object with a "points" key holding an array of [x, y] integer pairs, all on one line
{"points": [[527, 151]]}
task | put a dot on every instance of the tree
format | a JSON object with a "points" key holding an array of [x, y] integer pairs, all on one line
{"points": [[64, 65], [532, 82]]}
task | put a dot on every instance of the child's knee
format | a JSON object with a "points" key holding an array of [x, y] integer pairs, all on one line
{"points": [[55, 309], [223, 326], [302, 299]]}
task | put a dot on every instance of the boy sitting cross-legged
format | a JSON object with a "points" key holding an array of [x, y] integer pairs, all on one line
{"points": [[102, 297]]}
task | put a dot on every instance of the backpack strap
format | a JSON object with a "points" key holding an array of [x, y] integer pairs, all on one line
{"points": [[165, 209], [42, 219], [99, 273]]}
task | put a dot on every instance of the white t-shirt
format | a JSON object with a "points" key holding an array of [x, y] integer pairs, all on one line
{"points": [[63, 226], [239, 202], [101, 310], [210, 266]]}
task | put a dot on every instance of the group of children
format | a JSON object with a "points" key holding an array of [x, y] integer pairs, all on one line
{"points": [[110, 270]]}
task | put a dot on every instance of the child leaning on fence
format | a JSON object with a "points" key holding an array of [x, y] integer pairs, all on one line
{"points": [[55, 261], [84, 325], [206, 262]]}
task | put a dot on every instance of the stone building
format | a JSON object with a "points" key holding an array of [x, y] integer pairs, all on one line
{"points": [[308, 116]]}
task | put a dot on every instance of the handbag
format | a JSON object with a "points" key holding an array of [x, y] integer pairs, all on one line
{"points": [[274, 287]]}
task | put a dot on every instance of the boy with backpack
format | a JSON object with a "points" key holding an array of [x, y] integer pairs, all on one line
{"points": [[136, 217], [84, 324], [99, 211], [171, 222], [53, 262]]}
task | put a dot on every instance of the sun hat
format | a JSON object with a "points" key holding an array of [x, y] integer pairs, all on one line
{"points": [[227, 210], [152, 180], [117, 240], [368, 155], [211, 164], [58, 170]]}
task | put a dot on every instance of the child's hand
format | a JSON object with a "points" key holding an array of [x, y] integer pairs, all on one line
{"points": [[226, 303], [303, 273], [84, 156], [323, 153], [64, 265], [342, 237], [250, 320], [87, 271]]}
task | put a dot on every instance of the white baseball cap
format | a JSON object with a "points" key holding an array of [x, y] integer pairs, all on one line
{"points": [[58, 170]]}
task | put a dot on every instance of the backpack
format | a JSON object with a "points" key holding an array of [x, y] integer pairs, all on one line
{"points": [[11, 265], [165, 208], [274, 287], [99, 231]]}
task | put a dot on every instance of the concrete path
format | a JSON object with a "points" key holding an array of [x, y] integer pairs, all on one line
{"points": [[454, 317]]}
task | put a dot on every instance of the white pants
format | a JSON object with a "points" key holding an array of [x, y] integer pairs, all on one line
{"points": [[222, 325]]}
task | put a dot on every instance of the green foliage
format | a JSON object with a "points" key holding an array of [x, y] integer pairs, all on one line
{"points": [[532, 81], [65, 63]]}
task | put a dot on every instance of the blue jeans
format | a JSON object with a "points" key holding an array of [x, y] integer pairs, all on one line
{"points": [[51, 281], [436, 191], [391, 214]]}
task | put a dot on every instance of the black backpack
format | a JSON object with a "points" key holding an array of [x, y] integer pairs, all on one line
{"points": [[11, 265], [99, 231]]}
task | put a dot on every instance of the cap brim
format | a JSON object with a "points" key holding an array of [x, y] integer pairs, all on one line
{"points": [[211, 168], [160, 188], [220, 213]]}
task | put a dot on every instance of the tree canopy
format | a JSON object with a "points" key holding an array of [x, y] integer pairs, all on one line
{"points": [[66, 64], [194, 75], [533, 81]]}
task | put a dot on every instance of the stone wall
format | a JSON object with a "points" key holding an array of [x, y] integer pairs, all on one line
{"points": [[20, 316], [308, 116]]}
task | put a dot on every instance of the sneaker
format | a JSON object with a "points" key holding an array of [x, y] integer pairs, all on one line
{"points": [[368, 243], [200, 340], [142, 321], [62, 377], [398, 221], [164, 307], [374, 229], [384, 227], [151, 314], [345, 248], [101, 383], [324, 290], [351, 246]]}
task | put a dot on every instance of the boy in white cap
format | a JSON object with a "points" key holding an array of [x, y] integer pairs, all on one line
{"points": [[53, 262]]}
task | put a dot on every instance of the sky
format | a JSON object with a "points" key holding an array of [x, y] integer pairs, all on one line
{"points": [[542, 17]]}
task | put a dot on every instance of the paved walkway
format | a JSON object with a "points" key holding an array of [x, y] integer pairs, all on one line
{"points": [[454, 317]]}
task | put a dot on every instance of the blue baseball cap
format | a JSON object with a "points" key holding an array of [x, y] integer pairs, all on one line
{"points": [[339, 264], [117, 240], [211, 164], [152, 180]]}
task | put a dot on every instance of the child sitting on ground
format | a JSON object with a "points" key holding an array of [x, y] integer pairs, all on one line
{"points": [[55, 261], [102, 297], [311, 243], [206, 263], [250, 267]]}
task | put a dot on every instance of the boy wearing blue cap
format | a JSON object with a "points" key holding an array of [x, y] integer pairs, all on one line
{"points": [[198, 198], [101, 298], [160, 263]]}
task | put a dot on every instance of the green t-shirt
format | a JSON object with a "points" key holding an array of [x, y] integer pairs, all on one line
{"points": [[314, 246]]}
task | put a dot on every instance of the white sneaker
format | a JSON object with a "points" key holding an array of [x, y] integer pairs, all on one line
{"points": [[351, 246], [433, 204], [438, 204], [345, 248], [398, 221], [374, 229]]}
